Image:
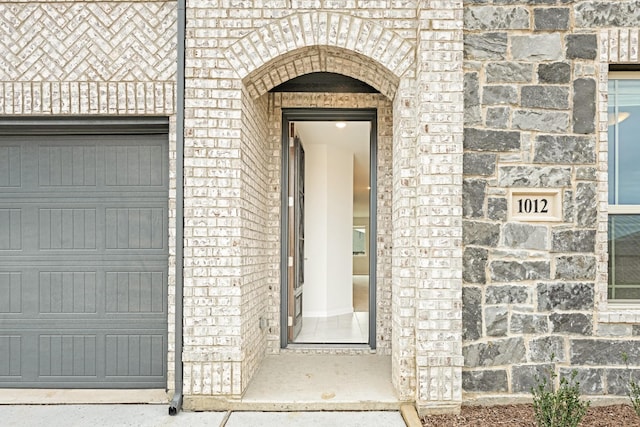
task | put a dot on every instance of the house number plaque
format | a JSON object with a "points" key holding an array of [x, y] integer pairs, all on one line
{"points": [[530, 205]]}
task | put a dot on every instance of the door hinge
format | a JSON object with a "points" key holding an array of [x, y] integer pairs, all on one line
{"points": [[290, 202], [290, 142], [289, 321], [290, 261]]}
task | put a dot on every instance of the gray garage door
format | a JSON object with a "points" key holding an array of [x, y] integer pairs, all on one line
{"points": [[83, 254]]}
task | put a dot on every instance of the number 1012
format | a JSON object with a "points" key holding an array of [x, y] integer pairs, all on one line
{"points": [[528, 206]]}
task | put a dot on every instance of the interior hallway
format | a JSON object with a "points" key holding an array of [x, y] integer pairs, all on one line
{"points": [[350, 328]]}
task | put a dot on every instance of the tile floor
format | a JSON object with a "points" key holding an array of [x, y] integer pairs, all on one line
{"points": [[352, 328]]}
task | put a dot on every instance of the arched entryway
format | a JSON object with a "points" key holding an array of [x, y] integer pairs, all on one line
{"points": [[379, 60], [418, 321]]}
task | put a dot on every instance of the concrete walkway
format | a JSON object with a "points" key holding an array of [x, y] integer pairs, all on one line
{"points": [[157, 415]]}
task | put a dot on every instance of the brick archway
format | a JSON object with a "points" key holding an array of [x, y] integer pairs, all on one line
{"points": [[314, 42]]}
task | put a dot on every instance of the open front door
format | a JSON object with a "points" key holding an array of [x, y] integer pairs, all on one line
{"points": [[296, 233], [328, 164]]}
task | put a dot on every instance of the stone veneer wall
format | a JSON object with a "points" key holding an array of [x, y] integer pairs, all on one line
{"points": [[108, 58], [535, 116]]}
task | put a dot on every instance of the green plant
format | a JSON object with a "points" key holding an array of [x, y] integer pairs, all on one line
{"points": [[561, 406], [634, 388]]}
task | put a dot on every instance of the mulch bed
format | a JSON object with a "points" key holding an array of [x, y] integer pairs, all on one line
{"points": [[522, 416]]}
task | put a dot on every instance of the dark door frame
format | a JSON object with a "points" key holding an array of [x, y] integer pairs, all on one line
{"points": [[339, 115]]}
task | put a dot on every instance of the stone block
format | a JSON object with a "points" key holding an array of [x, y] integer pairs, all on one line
{"points": [[582, 46], [604, 351], [615, 330], [584, 106], [598, 14], [492, 95], [547, 349], [509, 72], [537, 48], [590, 379], [564, 149], [483, 164], [568, 207], [565, 296], [507, 295], [524, 323], [525, 377], [473, 192], [496, 18], [471, 90], [491, 140], [576, 267], [513, 271], [485, 381], [618, 380], [554, 73], [586, 173], [480, 233], [530, 176], [586, 204], [571, 323], [497, 208], [497, 117], [525, 236], [495, 320], [541, 121], [573, 241], [485, 46], [474, 261], [552, 18], [471, 313], [494, 353], [635, 330], [553, 97]]}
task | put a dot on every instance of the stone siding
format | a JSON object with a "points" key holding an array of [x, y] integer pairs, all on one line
{"points": [[536, 117]]}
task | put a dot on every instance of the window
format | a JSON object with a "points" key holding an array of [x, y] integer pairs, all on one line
{"points": [[624, 186]]}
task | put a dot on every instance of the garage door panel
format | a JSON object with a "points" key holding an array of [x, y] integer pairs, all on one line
{"points": [[10, 166], [134, 355], [83, 261], [67, 355], [126, 165], [67, 165], [88, 228], [135, 291], [67, 228], [11, 292], [10, 356], [54, 292], [67, 292], [135, 228], [10, 229]]}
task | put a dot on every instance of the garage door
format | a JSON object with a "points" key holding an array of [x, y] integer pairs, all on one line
{"points": [[83, 253]]}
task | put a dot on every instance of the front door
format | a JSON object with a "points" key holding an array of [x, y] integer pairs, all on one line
{"points": [[296, 233], [328, 224]]}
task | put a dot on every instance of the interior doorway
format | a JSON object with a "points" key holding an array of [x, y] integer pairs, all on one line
{"points": [[328, 227]]}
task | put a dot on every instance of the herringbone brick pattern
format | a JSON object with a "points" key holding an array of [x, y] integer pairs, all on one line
{"points": [[88, 41]]}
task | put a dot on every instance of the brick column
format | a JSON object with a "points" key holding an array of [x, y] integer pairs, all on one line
{"points": [[438, 269]]}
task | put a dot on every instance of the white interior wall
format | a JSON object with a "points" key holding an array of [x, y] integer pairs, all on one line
{"points": [[328, 231]]}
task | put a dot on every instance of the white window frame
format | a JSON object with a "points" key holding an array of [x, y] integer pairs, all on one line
{"points": [[616, 209]]}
